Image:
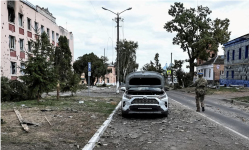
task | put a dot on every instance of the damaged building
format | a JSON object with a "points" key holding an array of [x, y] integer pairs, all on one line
{"points": [[20, 21], [236, 62]]}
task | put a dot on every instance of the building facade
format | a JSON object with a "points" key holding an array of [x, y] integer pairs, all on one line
{"points": [[236, 62], [110, 78], [19, 20], [212, 69]]}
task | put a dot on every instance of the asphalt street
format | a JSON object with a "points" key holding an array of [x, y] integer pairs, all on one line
{"points": [[237, 125]]}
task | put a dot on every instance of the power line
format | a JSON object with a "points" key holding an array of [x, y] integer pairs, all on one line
{"points": [[99, 18]]}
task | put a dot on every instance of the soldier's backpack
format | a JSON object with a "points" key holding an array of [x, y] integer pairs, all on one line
{"points": [[201, 83]]}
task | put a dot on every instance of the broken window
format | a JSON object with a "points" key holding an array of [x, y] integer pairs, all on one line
{"points": [[233, 54], [20, 20], [232, 74], [246, 52], [12, 42], [11, 14], [36, 26], [227, 55], [53, 35], [48, 32], [227, 74], [42, 28], [12, 67], [107, 80], [22, 67], [29, 46], [213, 55], [29, 23], [57, 38], [21, 44], [240, 53]]}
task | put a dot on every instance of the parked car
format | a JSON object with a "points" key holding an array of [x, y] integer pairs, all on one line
{"points": [[144, 93]]}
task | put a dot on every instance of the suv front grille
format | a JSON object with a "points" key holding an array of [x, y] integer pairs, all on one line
{"points": [[144, 101]]}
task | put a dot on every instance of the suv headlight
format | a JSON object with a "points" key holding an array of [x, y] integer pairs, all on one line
{"points": [[162, 96], [127, 96]]}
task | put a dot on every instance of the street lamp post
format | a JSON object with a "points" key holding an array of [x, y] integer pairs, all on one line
{"points": [[117, 42]]}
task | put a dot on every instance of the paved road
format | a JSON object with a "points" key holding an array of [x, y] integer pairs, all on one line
{"points": [[216, 111]]}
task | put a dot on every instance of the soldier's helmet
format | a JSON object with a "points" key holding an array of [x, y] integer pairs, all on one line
{"points": [[200, 74]]}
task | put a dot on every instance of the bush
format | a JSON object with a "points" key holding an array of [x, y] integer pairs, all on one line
{"points": [[14, 90]]}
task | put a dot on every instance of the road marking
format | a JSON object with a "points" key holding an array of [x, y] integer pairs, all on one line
{"points": [[91, 143], [215, 121]]}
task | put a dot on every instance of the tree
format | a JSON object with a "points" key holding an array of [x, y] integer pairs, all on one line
{"points": [[72, 83], [98, 67], [196, 32], [127, 58], [62, 63], [39, 73], [153, 66]]}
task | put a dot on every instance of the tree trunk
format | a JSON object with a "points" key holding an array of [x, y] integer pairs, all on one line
{"points": [[38, 97], [192, 68], [58, 91]]}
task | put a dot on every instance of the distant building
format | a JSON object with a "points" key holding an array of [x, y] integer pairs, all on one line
{"points": [[19, 19], [212, 69], [236, 62], [110, 78]]}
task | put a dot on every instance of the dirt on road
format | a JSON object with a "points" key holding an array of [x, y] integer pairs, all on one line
{"points": [[183, 129]]}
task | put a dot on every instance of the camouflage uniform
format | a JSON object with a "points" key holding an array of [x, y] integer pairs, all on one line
{"points": [[200, 91]]}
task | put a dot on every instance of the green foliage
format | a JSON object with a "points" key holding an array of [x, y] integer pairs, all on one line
{"points": [[72, 83], [39, 74], [196, 32], [13, 90], [98, 67], [153, 66], [127, 58], [63, 59]]}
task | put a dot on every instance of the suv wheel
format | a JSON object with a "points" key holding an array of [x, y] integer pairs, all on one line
{"points": [[124, 114]]}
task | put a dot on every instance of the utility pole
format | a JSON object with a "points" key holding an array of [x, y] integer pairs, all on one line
{"points": [[171, 70], [104, 63], [117, 42]]}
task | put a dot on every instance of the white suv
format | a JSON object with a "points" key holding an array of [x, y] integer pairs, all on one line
{"points": [[144, 93]]}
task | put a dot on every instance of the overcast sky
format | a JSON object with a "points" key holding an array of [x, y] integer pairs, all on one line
{"points": [[94, 30]]}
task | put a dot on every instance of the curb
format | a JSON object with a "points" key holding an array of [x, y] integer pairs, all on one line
{"points": [[91, 143], [235, 102]]}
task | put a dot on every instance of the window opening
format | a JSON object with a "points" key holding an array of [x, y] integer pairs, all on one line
{"points": [[21, 44], [53, 35], [11, 14], [233, 54], [29, 24], [246, 52], [227, 55], [232, 74], [12, 42], [240, 53], [29, 46], [22, 67], [48, 32], [20, 20], [209, 73], [36, 26], [42, 28], [13, 67], [227, 73]]}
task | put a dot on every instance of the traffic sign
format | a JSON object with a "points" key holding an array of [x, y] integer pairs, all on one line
{"points": [[169, 72], [89, 66], [89, 74]]}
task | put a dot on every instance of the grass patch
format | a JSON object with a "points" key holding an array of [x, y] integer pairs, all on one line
{"points": [[242, 99], [100, 104]]}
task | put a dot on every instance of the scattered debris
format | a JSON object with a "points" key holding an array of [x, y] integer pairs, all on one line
{"points": [[25, 126], [30, 123], [47, 120], [46, 110], [81, 102]]}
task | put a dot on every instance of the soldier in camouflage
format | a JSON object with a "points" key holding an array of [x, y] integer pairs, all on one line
{"points": [[200, 91]]}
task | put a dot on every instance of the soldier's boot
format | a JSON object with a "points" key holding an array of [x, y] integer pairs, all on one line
{"points": [[203, 108]]}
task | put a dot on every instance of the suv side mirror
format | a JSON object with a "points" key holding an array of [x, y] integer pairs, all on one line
{"points": [[122, 89]]}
